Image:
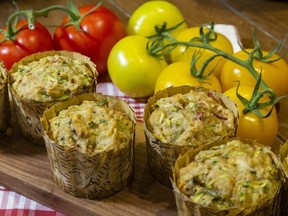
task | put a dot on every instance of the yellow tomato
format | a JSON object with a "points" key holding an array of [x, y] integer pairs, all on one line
{"points": [[132, 69], [250, 126], [275, 74], [152, 13], [181, 53], [178, 73]]}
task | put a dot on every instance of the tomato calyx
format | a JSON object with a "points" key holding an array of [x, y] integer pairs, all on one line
{"points": [[157, 41], [254, 105], [75, 17], [158, 47], [70, 9], [211, 35], [11, 31], [258, 54]]}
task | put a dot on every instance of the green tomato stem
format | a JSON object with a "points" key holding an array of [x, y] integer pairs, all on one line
{"points": [[157, 48], [31, 16], [247, 63], [70, 9]]}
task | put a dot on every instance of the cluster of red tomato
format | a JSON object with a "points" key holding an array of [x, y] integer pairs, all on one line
{"points": [[90, 30]]}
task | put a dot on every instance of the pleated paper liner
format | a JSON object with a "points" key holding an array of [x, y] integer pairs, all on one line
{"points": [[162, 156], [90, 175], [186, 206], [4, 100], [284, 193], [29, 112]]}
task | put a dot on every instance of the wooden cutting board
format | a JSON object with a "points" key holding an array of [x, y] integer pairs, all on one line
{"points": [[24, 168]]}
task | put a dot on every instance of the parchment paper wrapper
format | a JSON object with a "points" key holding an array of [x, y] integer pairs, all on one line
{"points": [[162, 156], [4, 100], [91, 176], [284, 193], [29, 112], [186, 206]]}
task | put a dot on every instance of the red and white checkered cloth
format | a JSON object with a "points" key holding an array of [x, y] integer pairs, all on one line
{"points": [[13, 204], [105, 86]]}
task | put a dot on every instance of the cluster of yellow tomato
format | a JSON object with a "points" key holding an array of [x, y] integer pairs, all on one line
{"points": [[139, 74]]}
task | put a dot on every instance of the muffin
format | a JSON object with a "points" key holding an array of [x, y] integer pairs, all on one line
{"points": [[228, 177], [90, 144], [4, 100], [284, 192], [179, 118], [42, 79]]}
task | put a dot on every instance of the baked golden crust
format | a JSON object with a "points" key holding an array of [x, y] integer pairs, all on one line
{"points": [[230, 175], [190, 118], [52, 77], [91, 127]]}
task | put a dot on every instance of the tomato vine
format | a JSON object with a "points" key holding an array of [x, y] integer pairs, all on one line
{"points": [[162, 43], [70, 9]]}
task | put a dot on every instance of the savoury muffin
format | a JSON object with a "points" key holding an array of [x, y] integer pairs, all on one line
{"points": [[90, 144], [284, 192], [190, 119], [42, 79], [239, 177], [4, 100], [179, 118]]}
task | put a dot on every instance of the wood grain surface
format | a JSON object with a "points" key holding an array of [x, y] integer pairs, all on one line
{"points": [[24, 167]]}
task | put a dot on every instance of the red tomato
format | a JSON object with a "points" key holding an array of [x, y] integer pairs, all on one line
{"points": [[98, 33], [27, 42]]}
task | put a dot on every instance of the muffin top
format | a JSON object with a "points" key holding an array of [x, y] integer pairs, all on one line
{"points": [[92, 127], [235, 174], [190, 119], [52, 78]]}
